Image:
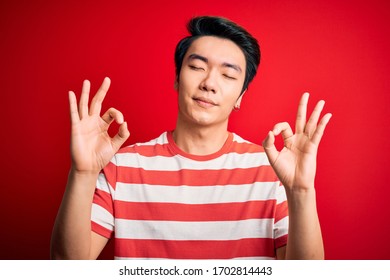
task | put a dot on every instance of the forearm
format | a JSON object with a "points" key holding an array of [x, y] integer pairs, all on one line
{"points": [[304, 235], [71, 238]]}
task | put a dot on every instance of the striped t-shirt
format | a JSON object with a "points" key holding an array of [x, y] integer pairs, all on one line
{"points": [[162, 203]]}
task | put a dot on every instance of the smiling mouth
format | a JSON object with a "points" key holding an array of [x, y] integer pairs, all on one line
{"points": [[204, 102]]}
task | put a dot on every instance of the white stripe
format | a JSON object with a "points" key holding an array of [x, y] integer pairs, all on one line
{"points": [[196, 195], [168, 230], [161, 140], [281, 227], [103, 185], [280, 194], [239, 139], [102, 217], [174, 163]]}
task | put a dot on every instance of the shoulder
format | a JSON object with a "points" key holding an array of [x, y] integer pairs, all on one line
{"points": [[240, 145], [151, 147], [135, 154], [246, 151]]}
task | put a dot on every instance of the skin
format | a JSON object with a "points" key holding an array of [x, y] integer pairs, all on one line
{"points": [[295, 166], [209, 87], [91, 149]]}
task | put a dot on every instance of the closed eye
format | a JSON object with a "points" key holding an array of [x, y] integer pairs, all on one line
{"points": [[229, 77], [195, 67]]}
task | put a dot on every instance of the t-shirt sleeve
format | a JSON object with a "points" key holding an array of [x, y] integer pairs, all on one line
{"points": [[102, 212], [281, 218]]}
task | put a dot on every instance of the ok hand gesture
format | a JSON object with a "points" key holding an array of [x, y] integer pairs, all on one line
{"points": [[91, 145], [295, 164]]}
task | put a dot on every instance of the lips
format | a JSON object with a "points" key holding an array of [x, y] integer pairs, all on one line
{"points": [[204, 102]]}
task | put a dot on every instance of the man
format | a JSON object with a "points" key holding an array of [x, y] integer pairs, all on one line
{"points": [[198, 192]]}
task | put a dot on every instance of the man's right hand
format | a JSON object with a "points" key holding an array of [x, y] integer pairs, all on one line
{"points": [[91, 145]]}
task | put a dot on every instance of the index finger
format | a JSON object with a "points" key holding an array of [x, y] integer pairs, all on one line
{"points": [[96, 103], [301, 114]]}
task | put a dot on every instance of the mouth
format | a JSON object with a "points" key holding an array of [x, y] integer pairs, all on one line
{"points": [[204, 102]]}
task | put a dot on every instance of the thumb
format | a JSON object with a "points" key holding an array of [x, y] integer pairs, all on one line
{"points": [[269, 147], [121, 136]]}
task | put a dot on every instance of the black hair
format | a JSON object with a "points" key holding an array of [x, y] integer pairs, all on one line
{"points": [[226, 29]]}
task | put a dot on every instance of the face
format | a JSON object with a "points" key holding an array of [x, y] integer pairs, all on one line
{"points": [[211, 80]]}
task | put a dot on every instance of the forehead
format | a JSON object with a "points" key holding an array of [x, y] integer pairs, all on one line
{"points": [[218, 50]]}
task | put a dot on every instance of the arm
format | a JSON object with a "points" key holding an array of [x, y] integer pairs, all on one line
{"points": [[295, 166], [91, 149]]}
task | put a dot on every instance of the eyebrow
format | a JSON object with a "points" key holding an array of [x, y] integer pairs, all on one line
{"points": [[195, 56], [234, 66]]}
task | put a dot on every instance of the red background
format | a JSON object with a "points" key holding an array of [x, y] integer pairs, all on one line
{"points": [[337, 50]]}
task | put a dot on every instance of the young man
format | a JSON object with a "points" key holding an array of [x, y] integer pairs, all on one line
{"points": [[198, 192]]}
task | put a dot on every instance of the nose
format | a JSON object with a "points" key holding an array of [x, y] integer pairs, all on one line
{"points": [[209, 83]]}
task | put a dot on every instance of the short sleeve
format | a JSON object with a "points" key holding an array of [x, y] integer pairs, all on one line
{"points": [[281, 218], [102, 212]]}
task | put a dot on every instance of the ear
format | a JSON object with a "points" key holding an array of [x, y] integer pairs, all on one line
{"points": [[238, 102]]}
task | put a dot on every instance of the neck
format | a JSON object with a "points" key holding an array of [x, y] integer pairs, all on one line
{"points": [[200, 140]]}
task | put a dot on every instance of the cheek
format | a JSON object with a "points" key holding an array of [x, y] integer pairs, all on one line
{"points": [[184, 86], [233, 95], [184, 98]]}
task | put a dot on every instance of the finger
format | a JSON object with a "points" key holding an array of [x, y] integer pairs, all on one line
{"points": [[285, 129], [269, 147], [96, 103], [74, 113], [312, 122], [121, 136], [113, 114], [83, 106], [301, 114], [317, 136]]}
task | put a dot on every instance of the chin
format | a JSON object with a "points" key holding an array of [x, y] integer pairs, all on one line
{"points": [[207, 121], [202, 118], [203, 121]]}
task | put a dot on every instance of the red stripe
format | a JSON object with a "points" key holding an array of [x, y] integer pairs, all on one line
{"points": [[101, 230], [281, 241], [243, 148], [194, 212], [148, 150], [141, 248], [281, 211], [196, 177], [164, 149], [110, 174], [104, 200]]}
